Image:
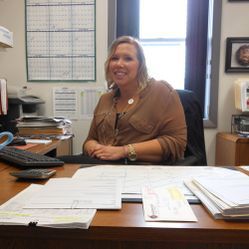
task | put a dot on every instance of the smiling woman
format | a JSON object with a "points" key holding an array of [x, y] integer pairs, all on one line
{"points": [[126, 126]]}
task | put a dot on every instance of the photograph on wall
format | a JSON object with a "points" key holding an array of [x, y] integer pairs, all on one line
{"points": [[237, 54]]}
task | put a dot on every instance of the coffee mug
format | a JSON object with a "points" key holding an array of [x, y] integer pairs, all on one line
{"points": [[5, 141]]}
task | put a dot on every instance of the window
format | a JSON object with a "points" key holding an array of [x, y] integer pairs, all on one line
{"points": [[201, 37], [164, 43]]}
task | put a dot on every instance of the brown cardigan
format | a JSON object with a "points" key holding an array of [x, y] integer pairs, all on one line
{"points": [[158, 114]]}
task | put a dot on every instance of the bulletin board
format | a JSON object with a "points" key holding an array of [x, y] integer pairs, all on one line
{"points": [[61, 40]]}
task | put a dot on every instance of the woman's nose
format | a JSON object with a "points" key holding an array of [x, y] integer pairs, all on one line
{"points": [[120, 62]]}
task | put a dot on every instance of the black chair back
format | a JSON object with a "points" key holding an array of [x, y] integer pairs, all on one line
{"points": [[195, 150]]}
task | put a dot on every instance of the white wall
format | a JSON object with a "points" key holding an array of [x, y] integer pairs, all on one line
{"points": [[13, 61], [235, 21], [13, 65]]}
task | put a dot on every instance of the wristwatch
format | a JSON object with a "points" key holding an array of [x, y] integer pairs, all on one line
{"points": [[132, 155]]}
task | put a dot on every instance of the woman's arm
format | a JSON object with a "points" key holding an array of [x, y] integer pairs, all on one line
{"points": [[149, 151], [89, 146]]}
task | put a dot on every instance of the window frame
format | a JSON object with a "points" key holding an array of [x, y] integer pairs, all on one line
{"points": [[210, 91]]}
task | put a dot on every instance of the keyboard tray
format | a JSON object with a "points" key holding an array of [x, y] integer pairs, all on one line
{"points": [[27, 159]]}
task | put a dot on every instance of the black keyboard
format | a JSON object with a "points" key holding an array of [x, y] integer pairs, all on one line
{"points": [[26, 158]]}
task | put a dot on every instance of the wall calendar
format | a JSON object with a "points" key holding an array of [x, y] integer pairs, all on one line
{"points": [[61, 40]]}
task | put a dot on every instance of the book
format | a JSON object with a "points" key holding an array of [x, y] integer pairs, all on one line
{"points": [[28, 131], [13, 213]]}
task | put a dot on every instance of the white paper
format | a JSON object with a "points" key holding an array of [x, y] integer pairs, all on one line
{"points": [[65, 102], [12, 212], [245, 167], [76, 103], [233, 190], [75, 193], [133, 178], [166, 204], [38, 141]]}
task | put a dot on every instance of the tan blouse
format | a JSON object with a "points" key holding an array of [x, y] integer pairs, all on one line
{"points": [[157, 114]]}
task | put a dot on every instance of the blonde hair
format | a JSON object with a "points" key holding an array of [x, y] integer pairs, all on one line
{"points": [[142, 75]]}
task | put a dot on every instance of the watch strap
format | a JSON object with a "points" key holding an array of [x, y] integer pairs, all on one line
{"points": [[132, 155]]}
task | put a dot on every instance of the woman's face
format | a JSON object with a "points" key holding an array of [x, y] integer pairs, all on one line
{"points": [[123, 65]]}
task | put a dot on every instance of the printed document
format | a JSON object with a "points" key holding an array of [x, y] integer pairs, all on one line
{"points": [[166, 204], [75, 193], [12, 213], [134, 177], [225, 198]]}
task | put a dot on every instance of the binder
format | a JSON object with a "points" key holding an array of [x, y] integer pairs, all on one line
{"points": [[3, 97]]}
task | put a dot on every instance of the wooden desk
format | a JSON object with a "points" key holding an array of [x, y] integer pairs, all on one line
{"points": [[122, 229], [56, 148], [231, 149]]}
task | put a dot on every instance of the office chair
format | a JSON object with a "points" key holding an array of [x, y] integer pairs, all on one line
{"points": [[195, 153]]}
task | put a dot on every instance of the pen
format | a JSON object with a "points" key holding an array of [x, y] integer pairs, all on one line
{"points": [[154, 211]]}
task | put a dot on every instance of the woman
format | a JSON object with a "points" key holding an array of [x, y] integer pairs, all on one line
{"points": [[140, 119]]}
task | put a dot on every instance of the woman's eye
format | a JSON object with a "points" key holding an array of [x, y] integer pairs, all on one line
{"points": [[114, 58], [128, 58]]}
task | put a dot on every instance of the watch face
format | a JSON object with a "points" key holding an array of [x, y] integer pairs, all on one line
{"points": [[133, 157]]}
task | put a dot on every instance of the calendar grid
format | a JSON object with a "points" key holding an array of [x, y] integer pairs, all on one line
{"points": [[60, 40]]}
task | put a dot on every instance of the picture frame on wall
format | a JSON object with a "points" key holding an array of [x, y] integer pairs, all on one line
{"points": [[237, 54]]}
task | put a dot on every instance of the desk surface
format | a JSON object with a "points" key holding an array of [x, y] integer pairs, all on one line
{"points": [[124, 228]]}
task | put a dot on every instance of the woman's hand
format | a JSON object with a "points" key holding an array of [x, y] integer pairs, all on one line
{"points": [[107, 152]]}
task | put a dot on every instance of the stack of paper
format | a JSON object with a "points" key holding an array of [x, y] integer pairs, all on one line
{"points": [[61, 203], [225, 198], [39, 125], [13, 213]]}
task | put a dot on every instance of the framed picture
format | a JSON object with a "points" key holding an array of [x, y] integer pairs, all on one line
{"points": [[237, 54]]}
